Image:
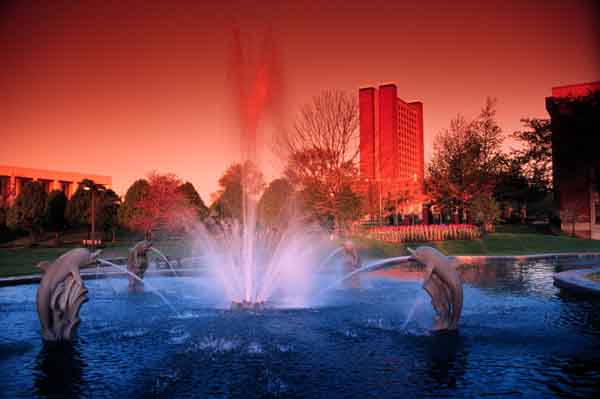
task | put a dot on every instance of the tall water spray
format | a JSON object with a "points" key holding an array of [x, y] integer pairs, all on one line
{"points": [[252, 261]]}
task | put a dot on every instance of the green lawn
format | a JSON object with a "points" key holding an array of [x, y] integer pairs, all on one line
{"points": [[20, 261], [501, 243]]}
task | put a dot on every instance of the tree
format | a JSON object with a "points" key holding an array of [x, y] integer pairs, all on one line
{"points": [[485, 212], [161, 207], [107, 212], [536, 154], [321, 150], [56, 206], [78, 208], [239, 180], [27, 213], [466, 159], [275, 202], [129, 208], [194, 199], [349, 207]]}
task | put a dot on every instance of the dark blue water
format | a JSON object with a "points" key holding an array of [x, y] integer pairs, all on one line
{"points": [[519, 337]]}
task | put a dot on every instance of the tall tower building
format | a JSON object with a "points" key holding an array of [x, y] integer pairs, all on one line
{"points": [[391, 146]]}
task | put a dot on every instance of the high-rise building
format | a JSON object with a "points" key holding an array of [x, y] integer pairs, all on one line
{"points": [[391, 149]]}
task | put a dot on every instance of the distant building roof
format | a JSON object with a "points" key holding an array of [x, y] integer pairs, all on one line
{"points": [[576, 90]]}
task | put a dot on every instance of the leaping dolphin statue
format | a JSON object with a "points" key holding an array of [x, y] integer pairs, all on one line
{"points": [[137, 262], [443, 284], [55, 273]]}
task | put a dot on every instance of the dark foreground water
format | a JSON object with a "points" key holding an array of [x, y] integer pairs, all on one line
{"points": [[519, 337]]}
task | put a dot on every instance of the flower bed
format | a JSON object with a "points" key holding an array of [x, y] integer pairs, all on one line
{"points": [[420, 233]]}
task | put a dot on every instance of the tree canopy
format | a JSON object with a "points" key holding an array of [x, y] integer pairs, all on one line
{"points": [[191, 195], [78, 208], [28, 210], [536, 154], [56, 206], [157, 204], [276, 202], [129, 208], [466, 159], [239, 180], [321, 152]]}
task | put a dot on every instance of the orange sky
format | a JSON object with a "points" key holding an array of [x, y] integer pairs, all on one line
{"points": [[125, 87]]}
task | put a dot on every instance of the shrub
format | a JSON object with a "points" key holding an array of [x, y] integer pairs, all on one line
{"points": [[420, 233]]}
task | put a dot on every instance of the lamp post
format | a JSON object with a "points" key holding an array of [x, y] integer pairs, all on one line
{"points": [[93, 188]]}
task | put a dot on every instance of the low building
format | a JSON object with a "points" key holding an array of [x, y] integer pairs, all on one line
{"points": [[12, 179], [575, 121]]}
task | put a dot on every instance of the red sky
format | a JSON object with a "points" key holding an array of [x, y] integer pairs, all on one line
{"points": [[125, 87]]}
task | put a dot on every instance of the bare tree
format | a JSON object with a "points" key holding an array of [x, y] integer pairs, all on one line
{"points": [[321, 150]]}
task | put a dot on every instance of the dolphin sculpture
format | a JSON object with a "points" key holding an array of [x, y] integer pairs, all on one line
{"points": [[137, 262], [61, 293], [443, 284]]}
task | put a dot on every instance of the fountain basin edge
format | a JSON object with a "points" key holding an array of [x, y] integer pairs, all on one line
{"points": [[576, 281]]}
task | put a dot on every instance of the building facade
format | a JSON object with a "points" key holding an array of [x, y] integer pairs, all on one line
{"points": [[12, 179], [575, 120], [391, 150]]}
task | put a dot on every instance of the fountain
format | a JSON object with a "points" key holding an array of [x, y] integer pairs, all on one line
{"points": [[256, 264], [61, 294], [137, 263]]}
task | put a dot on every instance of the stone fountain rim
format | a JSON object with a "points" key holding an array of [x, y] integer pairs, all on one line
{"points": [[577, 281]]}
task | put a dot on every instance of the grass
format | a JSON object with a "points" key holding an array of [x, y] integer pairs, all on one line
{"points": [[594, 276], [506, 241], [499, 243], [22, 260]]}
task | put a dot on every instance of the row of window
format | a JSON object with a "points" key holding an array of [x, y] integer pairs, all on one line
{"points": [[5, 188]]}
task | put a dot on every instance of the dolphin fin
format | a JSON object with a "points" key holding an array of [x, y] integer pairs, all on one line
{"points": [[43, 265]]}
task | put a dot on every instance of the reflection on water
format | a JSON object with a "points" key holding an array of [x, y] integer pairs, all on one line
{"points": [[59, 370], [446, 355]]}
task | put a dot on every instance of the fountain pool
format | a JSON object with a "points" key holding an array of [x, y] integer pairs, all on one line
{"points": [[519, 337]]}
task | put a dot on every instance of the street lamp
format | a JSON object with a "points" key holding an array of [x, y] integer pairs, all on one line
{"points": [[93, 188]]}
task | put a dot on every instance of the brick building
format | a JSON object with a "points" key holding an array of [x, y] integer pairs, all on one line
{"points": [[12, 179], [575, 114], [391, 150]]}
